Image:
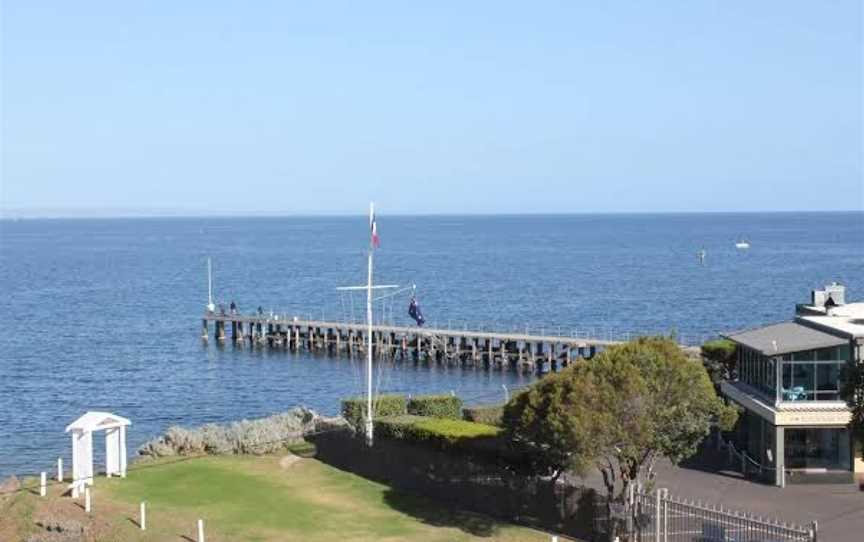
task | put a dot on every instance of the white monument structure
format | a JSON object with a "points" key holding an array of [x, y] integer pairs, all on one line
{"points": [[82, 447]]}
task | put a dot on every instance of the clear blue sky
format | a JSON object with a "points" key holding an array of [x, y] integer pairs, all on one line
{"points": [[318, 107]]}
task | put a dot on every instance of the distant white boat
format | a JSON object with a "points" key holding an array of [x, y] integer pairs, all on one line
{"points": [[742, 244]]}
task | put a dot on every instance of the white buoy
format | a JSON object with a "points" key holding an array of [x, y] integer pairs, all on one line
{"points": [[59, 469], [87, 499], [200, 530], [43, 482], [143, 521]]}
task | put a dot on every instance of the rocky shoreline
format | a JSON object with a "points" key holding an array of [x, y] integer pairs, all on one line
{"points": [[256, 437]]}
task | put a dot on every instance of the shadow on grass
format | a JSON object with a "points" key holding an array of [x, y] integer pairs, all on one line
{"points": [[435, 514]]}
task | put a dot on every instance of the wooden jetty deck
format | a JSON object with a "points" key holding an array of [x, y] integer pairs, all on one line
{"points": [[489, 349]]}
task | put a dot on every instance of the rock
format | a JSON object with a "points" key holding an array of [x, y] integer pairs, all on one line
{"points": [[262, 436]]}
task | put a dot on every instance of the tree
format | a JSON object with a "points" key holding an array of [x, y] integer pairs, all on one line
{"points": [[619, 413], [719, 358], [853, 393]]}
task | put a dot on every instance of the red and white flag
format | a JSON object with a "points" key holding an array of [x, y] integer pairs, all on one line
{"points": [[373, 228]]}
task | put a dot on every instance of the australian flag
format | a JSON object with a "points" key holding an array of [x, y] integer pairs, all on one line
{"points": [[414, 312]]}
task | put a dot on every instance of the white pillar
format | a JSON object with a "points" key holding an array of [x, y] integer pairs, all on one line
{"points": [[75, 468], [123, 451], [59, 469], [43, 482], [87, 499], [143, 516], [112, 451], [200, 530], [85, 457], [780, 456]]}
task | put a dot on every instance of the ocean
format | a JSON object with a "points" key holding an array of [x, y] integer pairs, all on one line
{"points": [[106, 314]]}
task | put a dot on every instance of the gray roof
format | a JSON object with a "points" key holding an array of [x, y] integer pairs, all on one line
{"points": [[788, 337]]}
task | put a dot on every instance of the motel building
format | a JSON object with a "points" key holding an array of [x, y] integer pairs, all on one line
{"points": [[794, 424]]}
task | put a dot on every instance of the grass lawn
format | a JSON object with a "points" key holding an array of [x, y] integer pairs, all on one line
{"points": [[275, 498]]}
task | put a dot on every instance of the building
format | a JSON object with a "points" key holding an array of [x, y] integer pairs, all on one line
{"points": [[794, 424]]}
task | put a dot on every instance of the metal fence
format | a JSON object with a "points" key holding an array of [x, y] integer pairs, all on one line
{"points": [[661, 517]]}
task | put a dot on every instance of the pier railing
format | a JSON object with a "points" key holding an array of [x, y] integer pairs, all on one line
{"points": [[597, 332]]}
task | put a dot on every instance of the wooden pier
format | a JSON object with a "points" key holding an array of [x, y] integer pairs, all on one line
{"points": [[482, 349]]}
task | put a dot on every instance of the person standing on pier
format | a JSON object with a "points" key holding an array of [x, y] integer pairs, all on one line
{"points": [[415, 313]]}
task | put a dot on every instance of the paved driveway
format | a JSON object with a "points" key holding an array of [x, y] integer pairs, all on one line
{"points": [[839, 509]]}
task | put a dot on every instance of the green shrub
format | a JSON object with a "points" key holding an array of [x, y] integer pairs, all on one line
{"points": [[488, 414], [440, 430], [354, 409], [478, 441], [436, 406]]}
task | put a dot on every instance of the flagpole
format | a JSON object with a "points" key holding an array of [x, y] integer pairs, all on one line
{"points": [[369, 431]]}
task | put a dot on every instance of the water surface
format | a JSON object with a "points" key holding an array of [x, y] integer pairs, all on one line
{"points": [[105, 314]]}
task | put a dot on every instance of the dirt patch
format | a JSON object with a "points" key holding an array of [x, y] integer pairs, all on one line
{"points": [[286, 462]]}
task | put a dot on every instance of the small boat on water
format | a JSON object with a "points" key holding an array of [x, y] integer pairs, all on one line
{"points": [[742, 244]]}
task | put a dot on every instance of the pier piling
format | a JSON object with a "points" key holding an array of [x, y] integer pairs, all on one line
{"points": [[453, 347]]}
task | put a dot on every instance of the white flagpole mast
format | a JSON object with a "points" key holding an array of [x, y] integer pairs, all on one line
{"points": [[369, 332], [369, 287]]}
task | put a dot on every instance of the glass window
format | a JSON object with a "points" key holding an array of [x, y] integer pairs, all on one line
{"points": [[787, 376], [803, 356], [843, 353], [828, 381], [803, 381], [826, 354], [817, 449]]}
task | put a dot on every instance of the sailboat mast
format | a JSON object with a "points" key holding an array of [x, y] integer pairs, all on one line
{"points": [[210, 306]]}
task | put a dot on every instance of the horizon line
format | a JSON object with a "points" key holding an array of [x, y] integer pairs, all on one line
{"points": [[23, 215]]}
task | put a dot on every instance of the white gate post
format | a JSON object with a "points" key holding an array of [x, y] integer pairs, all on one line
{"points": [[200, 530], [42, 484], [143, 521], [59, 469], [657, 515], [87, 499]]}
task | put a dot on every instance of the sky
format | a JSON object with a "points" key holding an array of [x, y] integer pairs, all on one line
{"points": [[221, 107]]}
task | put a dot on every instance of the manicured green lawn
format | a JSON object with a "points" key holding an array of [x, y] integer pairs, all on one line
{"points": [[248, 498]]}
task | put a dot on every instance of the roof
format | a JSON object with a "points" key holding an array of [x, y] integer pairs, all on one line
{"points": [[847, 319], [93, 421], [785, 338]]}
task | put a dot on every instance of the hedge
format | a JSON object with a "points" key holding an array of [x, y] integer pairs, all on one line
{"points": [[719, 350], [354, 409], [488, 414], [476, 441], [443, 431], [436, 406]]}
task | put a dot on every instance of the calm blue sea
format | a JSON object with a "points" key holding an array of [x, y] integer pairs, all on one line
{"points": [[105, 314]]}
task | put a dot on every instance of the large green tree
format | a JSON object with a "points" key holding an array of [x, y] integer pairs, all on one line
{"points": [[618, 413]]}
